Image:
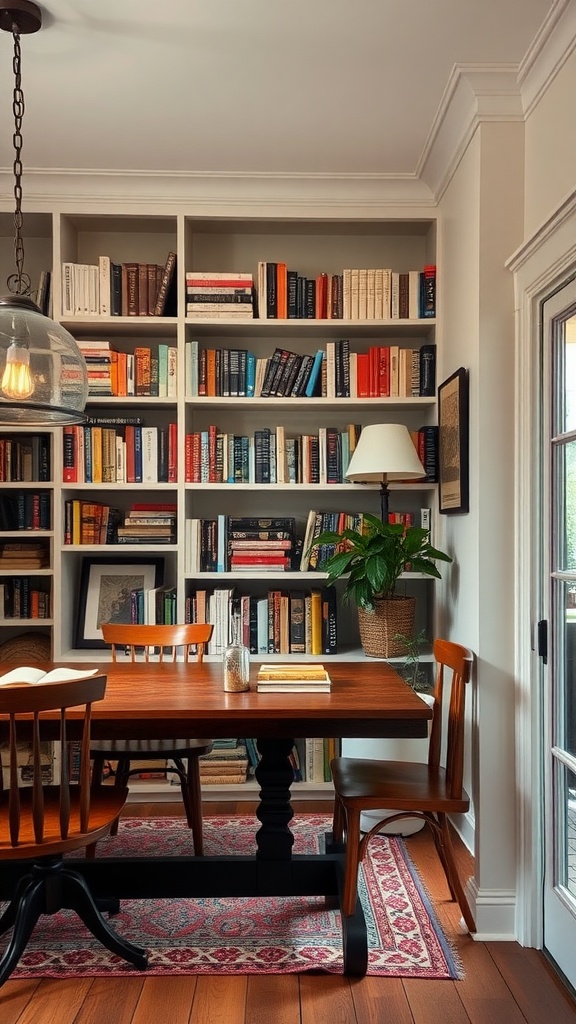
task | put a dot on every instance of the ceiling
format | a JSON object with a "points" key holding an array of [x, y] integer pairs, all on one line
{"points": [[311, 87]]}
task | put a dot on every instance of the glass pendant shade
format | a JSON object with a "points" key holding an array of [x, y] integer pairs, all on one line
{"points": [[43, 377]]}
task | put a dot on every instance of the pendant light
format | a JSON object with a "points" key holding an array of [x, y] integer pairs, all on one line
{"points": [[43, 377]]}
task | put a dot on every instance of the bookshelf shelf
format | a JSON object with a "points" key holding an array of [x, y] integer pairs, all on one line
{"points": [[291, 404]]}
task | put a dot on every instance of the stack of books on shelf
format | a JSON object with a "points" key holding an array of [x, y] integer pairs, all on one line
{"points": [[119, 289], [23, 460], [25, 555], [293, 679], [357, 293], [227, 763], [219, 294], [148, 524]]}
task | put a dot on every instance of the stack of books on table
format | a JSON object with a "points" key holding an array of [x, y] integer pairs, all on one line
{"points": [[297, 678]]}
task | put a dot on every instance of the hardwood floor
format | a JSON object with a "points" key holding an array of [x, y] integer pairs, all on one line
{"points": [[504, 983]]}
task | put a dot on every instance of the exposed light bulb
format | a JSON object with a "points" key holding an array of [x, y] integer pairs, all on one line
{"points": [[17, 381]]}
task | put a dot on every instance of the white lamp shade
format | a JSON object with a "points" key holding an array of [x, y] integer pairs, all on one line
{"points": [[385, 451]]}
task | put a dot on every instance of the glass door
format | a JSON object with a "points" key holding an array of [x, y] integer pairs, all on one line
{"points": [[559, 593]]}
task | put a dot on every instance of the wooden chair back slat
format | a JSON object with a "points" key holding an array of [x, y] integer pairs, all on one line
{"points": [[457, 659], [162, 642], [23, 704]]}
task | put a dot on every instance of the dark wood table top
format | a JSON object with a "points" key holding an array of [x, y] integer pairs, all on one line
{"points": [[169, 700]]}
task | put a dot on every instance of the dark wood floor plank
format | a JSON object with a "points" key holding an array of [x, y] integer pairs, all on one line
{"points": [[120, 997], [484, 993], [55, 1000], [165, 1001], [220, 1000], [435, 1002], [380, 999], [273, 997], [14, 997], [539, 995], [327, 999]]}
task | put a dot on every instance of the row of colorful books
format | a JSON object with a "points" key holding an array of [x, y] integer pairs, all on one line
{"points": [[269, 456], [26, 510], [354, 294], [119, 289], [383, 371], [21, 598], [241, 543], [120, 450], [26, 459], [145, 372], [282, 621], [318, 522]]}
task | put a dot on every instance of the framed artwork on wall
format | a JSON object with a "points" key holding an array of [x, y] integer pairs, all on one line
{"points": [[109, 591], [453, 429]]}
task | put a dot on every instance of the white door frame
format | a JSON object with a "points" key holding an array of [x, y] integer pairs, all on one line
{"points": [[541, 265]]}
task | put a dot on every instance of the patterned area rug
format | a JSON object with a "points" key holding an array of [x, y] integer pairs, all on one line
{"points": [[248, 935]]}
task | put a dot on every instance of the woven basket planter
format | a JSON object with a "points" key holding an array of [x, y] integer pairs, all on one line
{"points": [[379, 629]]}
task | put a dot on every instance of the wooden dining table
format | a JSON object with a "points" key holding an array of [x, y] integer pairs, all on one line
{"points": [[172, 700]]}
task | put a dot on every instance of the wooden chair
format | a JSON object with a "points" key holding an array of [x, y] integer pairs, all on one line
{"points": [[428, 791], [138, 643], [42, 822]]}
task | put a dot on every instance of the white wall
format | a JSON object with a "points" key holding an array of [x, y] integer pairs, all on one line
{"points": [[481, 217], [550, 159]]}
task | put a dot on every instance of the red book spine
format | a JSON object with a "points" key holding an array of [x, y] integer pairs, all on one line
{"points": [[384, 376], [130, 455], [172, 453]]}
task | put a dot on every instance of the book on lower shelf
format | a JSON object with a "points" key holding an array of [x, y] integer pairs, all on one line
{"points": [[303, 678]]}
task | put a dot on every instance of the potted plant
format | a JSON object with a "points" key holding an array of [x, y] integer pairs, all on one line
{"points": [[372, 561]]}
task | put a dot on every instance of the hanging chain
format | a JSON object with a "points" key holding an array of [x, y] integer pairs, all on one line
{"points": [[19, 283]]}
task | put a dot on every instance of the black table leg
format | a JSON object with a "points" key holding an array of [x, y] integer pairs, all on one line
{"points": [[274, 774]]}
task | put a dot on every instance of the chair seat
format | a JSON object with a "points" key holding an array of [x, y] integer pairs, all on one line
{"points": [[403, 785], [105, 806], [151, 749]]}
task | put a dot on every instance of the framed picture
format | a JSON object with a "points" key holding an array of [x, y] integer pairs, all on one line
{"points": [[453, 443], [106, 593]]}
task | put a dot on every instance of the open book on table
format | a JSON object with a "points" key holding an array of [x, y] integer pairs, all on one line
{"points": [[26, 674]]}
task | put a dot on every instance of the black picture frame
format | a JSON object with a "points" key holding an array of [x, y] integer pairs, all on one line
{"points": [[453, 442], [105, 585]]}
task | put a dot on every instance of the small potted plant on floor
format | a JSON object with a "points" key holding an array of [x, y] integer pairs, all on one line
{"points": [[371, 561]]}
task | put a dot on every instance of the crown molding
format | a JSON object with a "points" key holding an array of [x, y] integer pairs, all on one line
{"points": [[158, 189], [548, 52], [475, 93]]}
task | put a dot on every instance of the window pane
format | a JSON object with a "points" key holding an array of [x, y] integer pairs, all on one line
{"points": [[569, 512], [569, 377], [566, 854]]}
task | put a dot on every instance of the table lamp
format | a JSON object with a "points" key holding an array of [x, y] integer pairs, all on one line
{"points": [[384, 452]]}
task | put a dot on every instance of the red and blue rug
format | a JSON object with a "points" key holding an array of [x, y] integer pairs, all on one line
{"points": [[250, 935]]}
